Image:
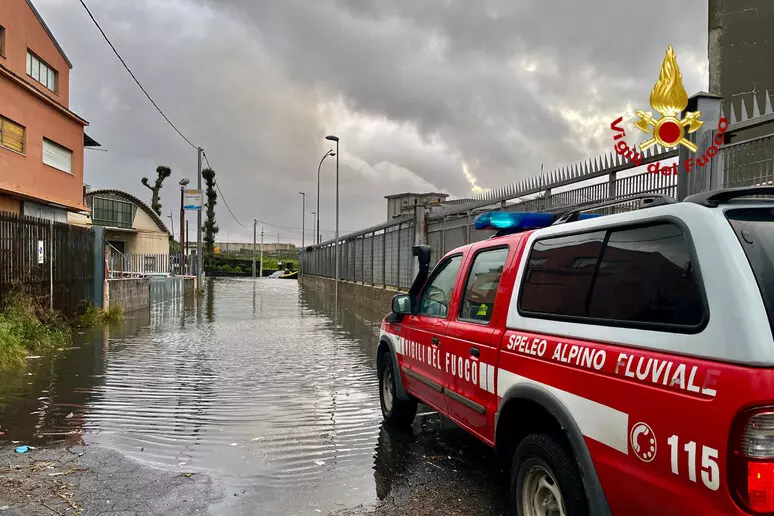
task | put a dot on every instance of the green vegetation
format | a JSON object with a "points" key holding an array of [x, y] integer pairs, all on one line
{"points": [[162, 172], [28, 329], [210, 227], [93, 316]]}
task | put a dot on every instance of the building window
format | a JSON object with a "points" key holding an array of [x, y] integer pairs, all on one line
{"points": [[641, 277], [54, 155], [41, 72], [11, 135], [2, 41], [111, 212]]}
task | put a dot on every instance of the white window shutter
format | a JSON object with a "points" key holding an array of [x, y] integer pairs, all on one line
{"points": [[57, 156]]}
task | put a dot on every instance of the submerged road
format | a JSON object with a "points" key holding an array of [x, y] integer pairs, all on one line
{"points": [[259, 388]]}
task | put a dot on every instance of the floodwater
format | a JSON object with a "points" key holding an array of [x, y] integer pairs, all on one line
{"points": [[257, 386]]}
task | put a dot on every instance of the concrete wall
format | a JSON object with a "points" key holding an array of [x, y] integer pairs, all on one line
{"points": [[130, 294], [373, 299], [740, 51], [141, 293]]}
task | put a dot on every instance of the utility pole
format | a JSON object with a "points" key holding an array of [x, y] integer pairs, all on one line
{"points": [[199, 260], [255, 226], [181, 267], [303, 216], [187, 239], [261, 265]]}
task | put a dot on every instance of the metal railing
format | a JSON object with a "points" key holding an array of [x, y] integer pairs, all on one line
{"points": [[381, 255], [129, 265]]}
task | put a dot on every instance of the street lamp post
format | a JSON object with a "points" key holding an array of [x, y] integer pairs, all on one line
{"points": [[314, 224], [336, 287], [329, 153], [183, 183], [303, 216]]}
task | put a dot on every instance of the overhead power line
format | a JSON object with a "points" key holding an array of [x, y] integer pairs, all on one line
{"points": [[222, 197], [133, 76]]}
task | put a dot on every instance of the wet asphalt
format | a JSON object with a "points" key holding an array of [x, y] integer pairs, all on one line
{"points": [[254, 399]]}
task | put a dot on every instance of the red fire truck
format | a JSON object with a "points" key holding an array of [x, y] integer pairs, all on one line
{"points": [[619, 364]]}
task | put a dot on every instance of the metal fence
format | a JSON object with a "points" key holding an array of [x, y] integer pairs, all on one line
{"points": [[381, 255], [122, 265], [51, 261]]}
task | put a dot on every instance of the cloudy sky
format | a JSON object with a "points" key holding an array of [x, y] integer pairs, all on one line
{"points": [[441, 95]]}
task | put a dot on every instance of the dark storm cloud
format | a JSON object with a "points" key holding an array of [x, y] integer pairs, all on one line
{"points": [[413, 88]]}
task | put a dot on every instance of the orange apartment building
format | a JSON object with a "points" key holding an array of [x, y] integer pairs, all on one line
{"points": [[41, 140]]}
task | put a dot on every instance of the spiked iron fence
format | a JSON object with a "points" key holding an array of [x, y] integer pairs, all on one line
{"points": [[381, 255]]}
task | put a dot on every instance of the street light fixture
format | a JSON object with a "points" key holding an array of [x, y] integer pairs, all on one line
{"points": [[303, 217], [317, 239], [183, 183], [333, 138]]}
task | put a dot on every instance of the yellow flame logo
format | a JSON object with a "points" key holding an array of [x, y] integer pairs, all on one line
{"points": [[670, 99], [668, 96]]}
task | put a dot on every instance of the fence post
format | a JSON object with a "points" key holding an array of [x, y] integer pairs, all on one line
{"points": [[398, 265], [51, 265], [384, 258], [420, 231], [709, 105], [362, 261], [443, 236], [373, 241], [467, 226]]}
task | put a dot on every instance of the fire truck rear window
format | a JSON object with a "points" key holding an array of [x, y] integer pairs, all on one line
{"points": [[642, 276], [754, 227]]}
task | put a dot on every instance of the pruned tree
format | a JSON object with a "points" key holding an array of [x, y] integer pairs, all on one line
{"points": [[210, 228], [162, 172]]}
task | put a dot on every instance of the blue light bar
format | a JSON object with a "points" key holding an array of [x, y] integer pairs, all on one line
{"points": [[513, 221]]}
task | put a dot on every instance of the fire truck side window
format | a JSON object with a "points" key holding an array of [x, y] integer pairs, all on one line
{"points": [[437, 292], [643, 276], [559, 273], [646, 276], [481, 288]]}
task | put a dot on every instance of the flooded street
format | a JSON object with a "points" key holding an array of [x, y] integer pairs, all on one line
{"points": [[257, 388]]}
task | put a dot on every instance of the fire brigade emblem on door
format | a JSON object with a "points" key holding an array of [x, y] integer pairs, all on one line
{"points": [[670, 99], [643, 442]]}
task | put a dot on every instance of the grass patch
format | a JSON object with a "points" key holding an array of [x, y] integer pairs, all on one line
{"points": [[91, 316], [28, 329]]}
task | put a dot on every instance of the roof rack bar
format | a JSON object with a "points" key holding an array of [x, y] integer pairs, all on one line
{"points": [[714, 198], [646, 201]]}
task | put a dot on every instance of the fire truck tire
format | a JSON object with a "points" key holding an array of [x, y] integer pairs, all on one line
{"points": [[545, 478], [396, 412]]}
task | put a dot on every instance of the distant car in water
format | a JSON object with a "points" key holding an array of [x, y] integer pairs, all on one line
{"points": [[276, 274]]}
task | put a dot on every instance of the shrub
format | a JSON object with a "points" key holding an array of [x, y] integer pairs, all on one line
{"points": [[92, 316], [26, 328]]}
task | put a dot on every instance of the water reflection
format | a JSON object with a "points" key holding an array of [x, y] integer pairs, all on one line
{"points": [[260, 384]]}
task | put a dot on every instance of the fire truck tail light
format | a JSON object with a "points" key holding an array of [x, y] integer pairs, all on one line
{"points": [[760, 486], [757, 440], [751, 461]]}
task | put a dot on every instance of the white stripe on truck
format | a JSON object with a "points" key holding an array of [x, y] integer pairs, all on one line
{"points": [[596, 421]]}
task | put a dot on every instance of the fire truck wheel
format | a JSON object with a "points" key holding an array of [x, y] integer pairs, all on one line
{"points": [[396, 412], [545, 480]]}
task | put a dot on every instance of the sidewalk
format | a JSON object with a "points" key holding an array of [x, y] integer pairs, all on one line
{"points": [[88, 480]]}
